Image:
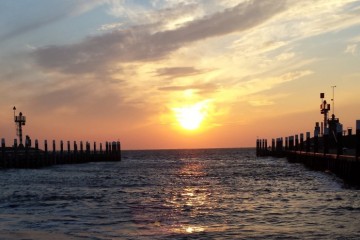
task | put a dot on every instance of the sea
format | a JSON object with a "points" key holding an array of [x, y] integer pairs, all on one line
{"points": [[178, 194]]}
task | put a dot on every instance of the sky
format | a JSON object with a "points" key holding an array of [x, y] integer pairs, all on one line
{"points": [[167, 74]]}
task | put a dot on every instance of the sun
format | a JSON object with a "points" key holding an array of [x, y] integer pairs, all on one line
{"points": [[191, 117]]}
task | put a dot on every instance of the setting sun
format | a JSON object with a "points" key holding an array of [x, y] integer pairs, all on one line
{"points": [[191, 117]]}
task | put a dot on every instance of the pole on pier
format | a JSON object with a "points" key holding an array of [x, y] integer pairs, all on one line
{"points": [[307, 141], [36, 144], [87, 147], [296, 142], [3, 148], [54, 147], [68, 146], [15, 143], [339, 137], [61, 146], [326, 140], [291, 143], [45, 146], [265, 145], [316, 137], [301, 141], [119, 150], [94, 147], [357, 139]]}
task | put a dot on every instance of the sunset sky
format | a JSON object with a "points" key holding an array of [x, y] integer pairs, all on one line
{"points": [[136, 70]]}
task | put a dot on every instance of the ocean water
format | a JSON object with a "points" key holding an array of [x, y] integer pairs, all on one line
{"points": [[178, 194]]}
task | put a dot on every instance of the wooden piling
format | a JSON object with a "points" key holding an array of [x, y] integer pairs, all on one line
{"points": [[357, 139]]}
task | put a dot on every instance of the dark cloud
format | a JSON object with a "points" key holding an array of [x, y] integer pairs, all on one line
{"points": [[200, 88], [95, 54], [176, 72]]}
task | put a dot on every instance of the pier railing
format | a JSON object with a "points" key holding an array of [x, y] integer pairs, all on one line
{"points": [[19, 156], [339, 154]]}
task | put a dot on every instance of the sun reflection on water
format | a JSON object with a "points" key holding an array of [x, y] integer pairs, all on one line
{"points": [[191, 201]]}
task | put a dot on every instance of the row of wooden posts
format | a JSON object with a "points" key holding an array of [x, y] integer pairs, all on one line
{"points": [[340, 156], [344, 145], [26, 156]]}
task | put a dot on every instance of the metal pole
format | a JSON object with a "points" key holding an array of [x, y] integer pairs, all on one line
{"points": [[333, 98]]}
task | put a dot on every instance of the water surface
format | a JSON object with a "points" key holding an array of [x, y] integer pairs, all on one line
{"points": [[178, 194]]}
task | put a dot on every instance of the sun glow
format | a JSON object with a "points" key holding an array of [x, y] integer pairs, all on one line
{"points": [[191, 117]]}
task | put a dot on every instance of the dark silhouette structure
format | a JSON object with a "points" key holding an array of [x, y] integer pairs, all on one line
{"points": [[26, 156], [331, 150]]}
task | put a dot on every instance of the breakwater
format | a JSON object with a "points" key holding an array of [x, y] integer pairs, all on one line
{"points": [[71, 152], [339, 153]]}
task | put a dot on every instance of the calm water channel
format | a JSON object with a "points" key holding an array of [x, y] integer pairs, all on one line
{"points": [[178, 194]]}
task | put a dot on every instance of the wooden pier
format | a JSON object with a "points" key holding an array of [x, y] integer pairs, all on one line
{"points": [[34, 157], [319, 153]]}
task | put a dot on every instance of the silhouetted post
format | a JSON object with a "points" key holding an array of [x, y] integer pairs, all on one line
{"points": [[326, 140], [61, 146], [107, 147], [286, 143], [296, 142], [75, 147], [45, 146], [357, 139], [15, 143], [339, 136], [53, 157], [291, 143], [54, 147], [273, 145], [265, 145], [119, 150], [307, 141], [81, 147], [2, 149], [88, 148], [301, 141], [27, 142], [61, 156], [36, 144], [101, 149], [94, 147], [68, 146], [316, 138]]}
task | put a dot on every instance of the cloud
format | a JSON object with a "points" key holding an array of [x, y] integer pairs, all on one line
{"points": [[352, 49], [37, 15], [176, 72], [199, 87], [138, 43]]}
